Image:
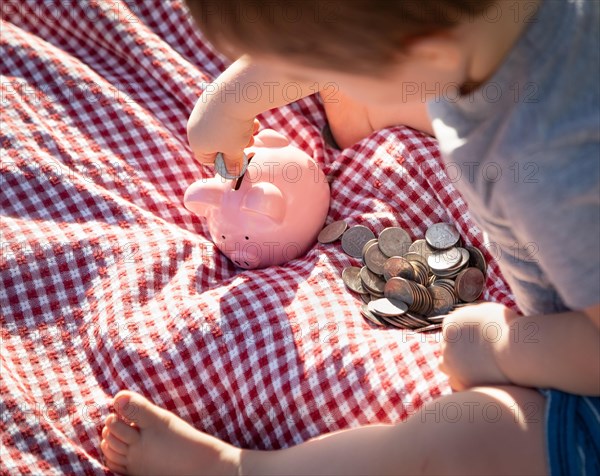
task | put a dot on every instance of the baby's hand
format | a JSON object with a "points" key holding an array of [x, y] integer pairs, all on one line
{"points": [[212, 129], [473, 336]]}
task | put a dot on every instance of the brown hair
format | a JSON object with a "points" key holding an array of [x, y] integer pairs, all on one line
{"points": [[347, 35]]}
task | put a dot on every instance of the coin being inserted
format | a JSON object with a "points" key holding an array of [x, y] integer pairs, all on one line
{"points": [[222, 170]]}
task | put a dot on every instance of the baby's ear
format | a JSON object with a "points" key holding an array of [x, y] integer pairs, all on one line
{"points": [[203, 195], [266, 199]]}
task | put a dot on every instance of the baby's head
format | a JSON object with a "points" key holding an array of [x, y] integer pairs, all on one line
{"points": [[360, 38]]}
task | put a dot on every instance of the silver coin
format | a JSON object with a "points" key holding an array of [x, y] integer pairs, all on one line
{"points": [[442, 236], [369, 316], [464, 259], [445, 259], [222, 170], [432, 327], [436, 319], [394, 241], [412, 256], [351, 278], [355, 238], [374, 258], [442, 281], [398, 267], [421, 247], [332, 232], [387, 307], [371, 281]]}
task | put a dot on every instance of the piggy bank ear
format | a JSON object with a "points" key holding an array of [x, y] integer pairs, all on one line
{"points": [[270, 138], [203, 195], [266, 199]]}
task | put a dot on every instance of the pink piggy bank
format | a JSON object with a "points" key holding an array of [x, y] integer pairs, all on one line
{"points": [[276, 212]]}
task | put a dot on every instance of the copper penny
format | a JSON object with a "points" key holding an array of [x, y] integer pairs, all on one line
{"points": [[355, 238], [332, 232], [469, 284]]}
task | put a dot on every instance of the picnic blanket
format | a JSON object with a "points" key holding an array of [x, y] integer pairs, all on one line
{"points": [[108, 282]]}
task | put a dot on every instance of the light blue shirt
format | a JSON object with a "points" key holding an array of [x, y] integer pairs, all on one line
{"points": [[523, 149]]}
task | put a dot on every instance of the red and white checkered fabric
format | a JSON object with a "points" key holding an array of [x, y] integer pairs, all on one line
{"points": [[108, 282]]}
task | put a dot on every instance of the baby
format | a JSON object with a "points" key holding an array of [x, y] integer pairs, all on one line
{"points": [[506, 87]]}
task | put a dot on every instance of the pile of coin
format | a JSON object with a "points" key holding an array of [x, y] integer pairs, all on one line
{"points": [[405, 283]]}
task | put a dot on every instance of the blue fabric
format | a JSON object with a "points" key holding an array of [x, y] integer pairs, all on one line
{"points": [[572, 434]]}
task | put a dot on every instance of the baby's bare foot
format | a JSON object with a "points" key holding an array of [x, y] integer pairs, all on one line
{"points": [[145, 439]]}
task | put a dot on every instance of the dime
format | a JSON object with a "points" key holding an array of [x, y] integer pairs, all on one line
{"points": [[469, 284], [351, 278], [394, 241], [444, 260], [476, 259], [374, 258], [355, 238], [372, 282], [442, 236], [222, 170], [387, 307], [332, 232], [398, 267]]}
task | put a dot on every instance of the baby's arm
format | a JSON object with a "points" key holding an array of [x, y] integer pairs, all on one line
{"points": [[223, 119], [489, 344]]}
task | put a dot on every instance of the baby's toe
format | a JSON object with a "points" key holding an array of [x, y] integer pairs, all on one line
{"points": [[116, 444], [124, 432], [111, 455]]}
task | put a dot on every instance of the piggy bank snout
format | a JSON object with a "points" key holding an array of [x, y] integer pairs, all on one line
{"points": [[243, 252]]}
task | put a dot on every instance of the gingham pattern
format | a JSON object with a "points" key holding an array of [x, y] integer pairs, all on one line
{"points": [[108, 282]]}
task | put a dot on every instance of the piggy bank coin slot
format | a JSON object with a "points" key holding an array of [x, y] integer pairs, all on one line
{"points": [[237, 184]]}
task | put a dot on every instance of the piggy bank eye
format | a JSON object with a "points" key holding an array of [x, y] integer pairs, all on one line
{"points": [[246, 237], [223, 236]]}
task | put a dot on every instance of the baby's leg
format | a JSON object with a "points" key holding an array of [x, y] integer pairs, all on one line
{"points": [[486, 430]]}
